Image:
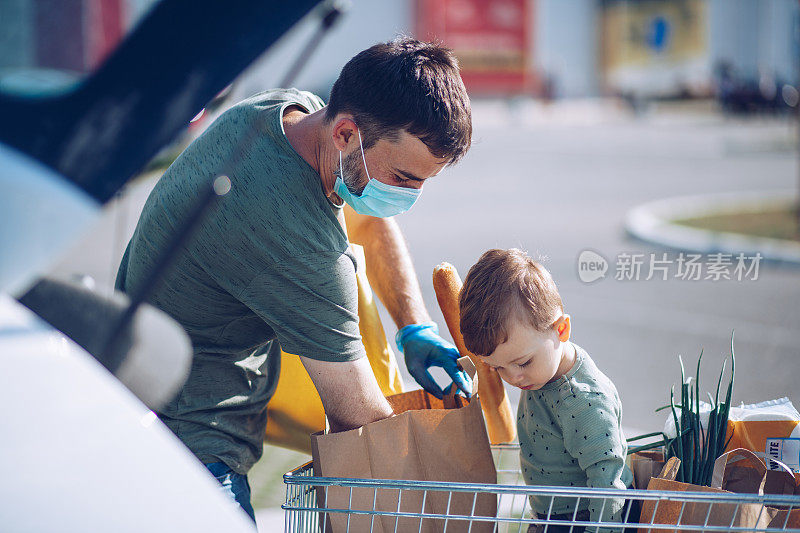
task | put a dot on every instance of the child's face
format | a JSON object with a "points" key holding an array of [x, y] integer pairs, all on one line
{"points": [[530, 358]]}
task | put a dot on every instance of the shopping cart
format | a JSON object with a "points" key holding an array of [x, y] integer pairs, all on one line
{"points": [[306, 511]]}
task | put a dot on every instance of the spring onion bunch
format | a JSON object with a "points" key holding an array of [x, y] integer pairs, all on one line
{"points": [[696, 446]]}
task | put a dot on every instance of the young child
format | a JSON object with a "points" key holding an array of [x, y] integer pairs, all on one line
{"points": [[569, 416]]}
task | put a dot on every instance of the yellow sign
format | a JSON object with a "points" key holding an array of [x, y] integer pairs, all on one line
{"points": [[655, 45]]}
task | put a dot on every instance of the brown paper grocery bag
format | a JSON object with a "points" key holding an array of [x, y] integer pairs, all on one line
{"points": [[427, 440], [750, 476], [744, 472], [729, 473], [645, 465]]}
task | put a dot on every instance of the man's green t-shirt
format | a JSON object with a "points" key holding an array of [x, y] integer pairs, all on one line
{"points": [[269, 263]]}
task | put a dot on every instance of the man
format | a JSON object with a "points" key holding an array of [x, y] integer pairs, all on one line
{"points": [[271, 262]]}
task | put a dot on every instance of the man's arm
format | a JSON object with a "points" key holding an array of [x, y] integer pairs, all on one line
{"points": [[349, 392], [392, 275], [389, 267]]}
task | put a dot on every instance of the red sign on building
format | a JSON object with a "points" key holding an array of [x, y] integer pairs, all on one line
{"points": [[490, 37]]}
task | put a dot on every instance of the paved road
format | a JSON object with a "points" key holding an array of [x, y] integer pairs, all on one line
{"points": [[558, 180]]}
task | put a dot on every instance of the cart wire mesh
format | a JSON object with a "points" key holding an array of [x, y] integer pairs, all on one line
{"points": [[378, 505]]}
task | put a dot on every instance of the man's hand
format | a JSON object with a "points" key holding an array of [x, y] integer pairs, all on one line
{"points": [[349, 392], [424, 348]]}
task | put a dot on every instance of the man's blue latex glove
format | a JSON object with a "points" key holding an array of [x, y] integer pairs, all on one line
{"points": [[424, 348]]}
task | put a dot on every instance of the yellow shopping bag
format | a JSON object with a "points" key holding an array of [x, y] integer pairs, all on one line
{"points": [[295, 410]]}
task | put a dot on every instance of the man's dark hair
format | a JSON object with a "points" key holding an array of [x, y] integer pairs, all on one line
{"points": [[409, 85]]}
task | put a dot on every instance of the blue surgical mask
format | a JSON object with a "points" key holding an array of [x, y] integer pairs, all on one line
{"points": [[377, 199]]}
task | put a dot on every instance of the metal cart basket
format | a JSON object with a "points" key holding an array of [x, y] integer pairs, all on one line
{"points": [[305, 510]]}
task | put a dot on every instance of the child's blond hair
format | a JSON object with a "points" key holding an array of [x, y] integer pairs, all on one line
{"points": [[502, 285]]}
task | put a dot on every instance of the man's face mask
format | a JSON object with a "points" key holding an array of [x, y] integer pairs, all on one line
{"points": [[377, 199]]}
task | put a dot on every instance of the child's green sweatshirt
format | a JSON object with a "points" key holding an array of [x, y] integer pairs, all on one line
{"points": [[570, 434]]}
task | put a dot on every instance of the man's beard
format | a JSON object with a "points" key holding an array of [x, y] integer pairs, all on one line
{"points": [[353, 178]]}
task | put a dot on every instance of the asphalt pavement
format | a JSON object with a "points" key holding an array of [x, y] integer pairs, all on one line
{"points": [[556, 180]]}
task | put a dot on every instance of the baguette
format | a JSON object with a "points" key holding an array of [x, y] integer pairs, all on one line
{"points": [[500, 422]]}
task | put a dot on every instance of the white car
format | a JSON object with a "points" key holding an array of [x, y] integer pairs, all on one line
{"points": [[81, 449]]}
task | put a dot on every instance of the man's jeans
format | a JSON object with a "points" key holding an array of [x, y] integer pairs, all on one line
{"points": [[235, 486]]}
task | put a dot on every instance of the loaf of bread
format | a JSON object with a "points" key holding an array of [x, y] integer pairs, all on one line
{"points": [[494, 401]]}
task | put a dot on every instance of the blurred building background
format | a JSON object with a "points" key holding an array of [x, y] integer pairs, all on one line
{"points": [[573, 48], [638, 49]]}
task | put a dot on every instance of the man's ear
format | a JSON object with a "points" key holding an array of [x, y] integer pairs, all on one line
{"points": [[344, 132], [563, 328]]}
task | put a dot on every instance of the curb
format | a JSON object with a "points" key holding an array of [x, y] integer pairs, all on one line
{"points": [[653, 223]]}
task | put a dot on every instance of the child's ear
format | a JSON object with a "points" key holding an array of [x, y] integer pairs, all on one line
{"points": [[482, 359], [563, 328]]}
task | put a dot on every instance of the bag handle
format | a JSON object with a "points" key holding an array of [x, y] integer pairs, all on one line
{"points": [[783, 468], [670, 470], [720, 465], [718, 475], [465, 364]]}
